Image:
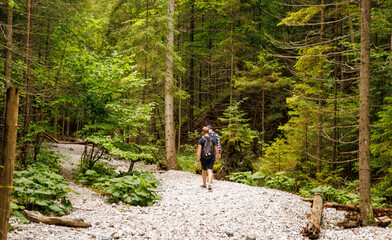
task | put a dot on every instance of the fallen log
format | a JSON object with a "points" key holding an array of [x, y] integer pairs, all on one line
{"points": [[355, 208], [51, 138], [312, 229], [383, 221], [35, 216], [154, 171]]}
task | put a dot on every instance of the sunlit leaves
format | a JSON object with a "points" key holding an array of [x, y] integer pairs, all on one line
{"points": [[300, 17]]}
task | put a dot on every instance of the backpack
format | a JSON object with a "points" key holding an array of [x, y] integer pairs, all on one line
{"points": [[208, 149]]}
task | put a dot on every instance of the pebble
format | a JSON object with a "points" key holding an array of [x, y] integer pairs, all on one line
{"points": [[187, 211]]}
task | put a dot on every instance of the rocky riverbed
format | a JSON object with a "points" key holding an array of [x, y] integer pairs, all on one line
{"points": [[187, 211]]}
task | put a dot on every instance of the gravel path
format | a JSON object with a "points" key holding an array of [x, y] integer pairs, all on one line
{"points": [[230, 211]]}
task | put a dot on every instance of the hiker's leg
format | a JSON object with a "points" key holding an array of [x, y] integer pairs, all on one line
{"points": [[204, 176], [210, 173], [210, 167]]}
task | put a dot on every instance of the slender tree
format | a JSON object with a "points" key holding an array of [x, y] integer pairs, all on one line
{"points": [[7, 160], [364, 119], [8, 49], [170, 133]]}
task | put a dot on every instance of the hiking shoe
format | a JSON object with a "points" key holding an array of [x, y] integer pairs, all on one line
{"points": [[210, 188]]}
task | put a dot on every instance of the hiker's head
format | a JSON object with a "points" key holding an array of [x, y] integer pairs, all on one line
{"points": [[205, 130], [209, 127]]}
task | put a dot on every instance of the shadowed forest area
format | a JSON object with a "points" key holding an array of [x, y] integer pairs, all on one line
{"points": [[300, 93]]}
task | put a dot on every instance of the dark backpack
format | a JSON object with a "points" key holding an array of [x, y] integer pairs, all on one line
{"points": [[208, 149]]}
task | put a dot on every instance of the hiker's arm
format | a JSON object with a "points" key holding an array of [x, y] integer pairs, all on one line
{"points": [[218, 143], [198, 153], [217, 152]]}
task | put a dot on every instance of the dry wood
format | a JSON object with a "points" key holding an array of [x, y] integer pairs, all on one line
{"points": [[7, 160], [348, 224], [383, 221], [35, 216], [353, 208], [51, 138], [312, 230], [154, 171]]}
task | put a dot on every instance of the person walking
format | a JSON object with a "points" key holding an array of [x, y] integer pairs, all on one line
{"points": [[215, 136], [207, 149]]}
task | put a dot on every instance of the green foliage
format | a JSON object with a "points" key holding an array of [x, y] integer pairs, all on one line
{"points": [[39, 187], [131, 188], [283, 181], [280, 180], [278, 156], [16, 211], [237, 139], [187, 160], [237, 134], [300, 17], [312, 62], [255, 179]]}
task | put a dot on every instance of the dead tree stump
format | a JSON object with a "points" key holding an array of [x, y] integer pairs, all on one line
{"points": [[35, 216], [312, 229]]}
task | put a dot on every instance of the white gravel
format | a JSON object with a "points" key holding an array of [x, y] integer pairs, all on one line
{"points": [[187, 211]]}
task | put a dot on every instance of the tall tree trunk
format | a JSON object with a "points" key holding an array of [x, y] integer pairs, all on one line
{"points": [[170, 133], [231, 59], [335, 90], [155, 114], [262, 119], [47, 52], [199, 85], [320, 96], [27, 78], [364, 121], [191, 87], [180, 101], [7, 160], [8, 49]]}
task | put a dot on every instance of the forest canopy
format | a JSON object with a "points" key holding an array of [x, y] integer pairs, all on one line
{"points": [[277, 80]]}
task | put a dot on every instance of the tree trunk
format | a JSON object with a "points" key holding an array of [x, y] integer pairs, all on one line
{"points": [[47, 52], [320, 96], [27, 76], [312, 230], [191, 87], [180, 102], [7, 160], [231, 60], [169, 110], [364, 121], [8, 49], [262, 119], [35, 216]]}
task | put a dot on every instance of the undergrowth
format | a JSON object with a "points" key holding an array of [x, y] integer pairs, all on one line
{"points": [[38, 186], [282, 181], [132, 188]]}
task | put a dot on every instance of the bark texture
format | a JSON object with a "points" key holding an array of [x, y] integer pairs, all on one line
{"points": [[169, 108], [35, 216], [8, 49], [364, 120], [312, 230], [8, 159]]}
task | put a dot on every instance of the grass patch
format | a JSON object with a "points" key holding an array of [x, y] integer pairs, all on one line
{"points": [[187, 161]]}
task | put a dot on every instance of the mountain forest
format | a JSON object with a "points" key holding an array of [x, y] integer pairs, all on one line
{"points": [[299, 92]]}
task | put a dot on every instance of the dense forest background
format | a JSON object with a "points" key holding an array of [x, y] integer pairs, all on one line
{"points": [[277, 80]]}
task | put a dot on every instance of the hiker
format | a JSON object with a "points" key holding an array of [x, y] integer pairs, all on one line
{"points": [[215, 136], [207, 149]]}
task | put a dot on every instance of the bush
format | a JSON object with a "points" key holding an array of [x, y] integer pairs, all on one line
{"points": [[279, 180], [132, 188], [40, 188]]}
